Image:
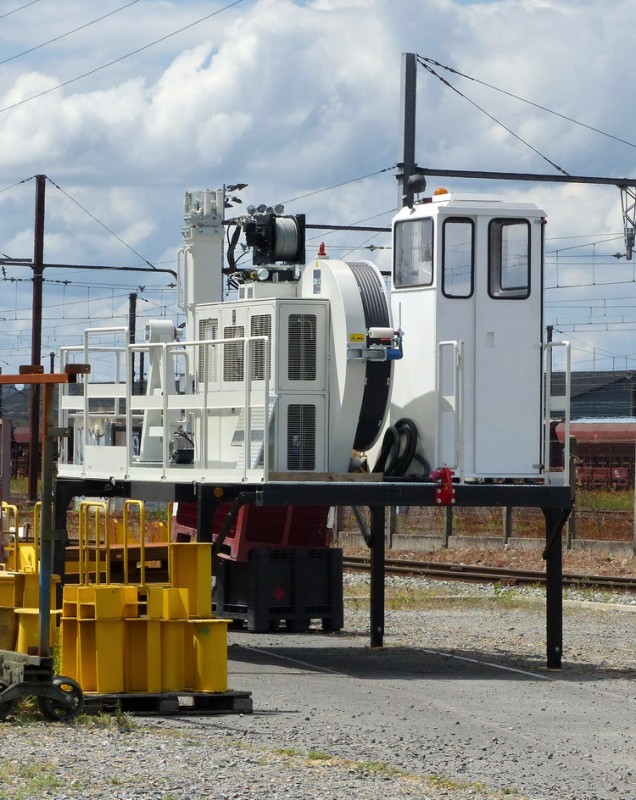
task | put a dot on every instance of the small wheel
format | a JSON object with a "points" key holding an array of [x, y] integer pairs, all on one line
{"points": [[7, 706], [54, 710]]}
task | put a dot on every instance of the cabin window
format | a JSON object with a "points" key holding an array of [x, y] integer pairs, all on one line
{"points": [[413, 253], [458, 257], [509, 259]]}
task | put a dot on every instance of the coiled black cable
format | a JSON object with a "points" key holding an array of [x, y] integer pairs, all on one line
{"points": [[398, 451]]}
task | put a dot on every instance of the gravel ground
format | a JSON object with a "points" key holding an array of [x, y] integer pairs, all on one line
{"points": [[457, 705]]}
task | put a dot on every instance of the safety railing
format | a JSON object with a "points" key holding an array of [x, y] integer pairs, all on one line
{"points": [[10, 534], [557, 404], [449, 394], [190, 395], [100, 519], [128, 506]]}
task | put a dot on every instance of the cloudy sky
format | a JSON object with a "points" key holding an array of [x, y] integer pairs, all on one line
{"points": [[125, 105]]}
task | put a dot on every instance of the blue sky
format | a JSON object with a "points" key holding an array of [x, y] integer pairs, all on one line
{"points": [[293, 98]]}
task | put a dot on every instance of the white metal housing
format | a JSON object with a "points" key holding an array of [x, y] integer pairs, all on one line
{"points": [[468, 292]]}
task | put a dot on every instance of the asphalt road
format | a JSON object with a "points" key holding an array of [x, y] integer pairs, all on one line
{"points": [[470, 719]]}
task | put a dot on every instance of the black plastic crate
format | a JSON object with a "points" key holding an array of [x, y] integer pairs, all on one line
{"points": [[292, 586]]}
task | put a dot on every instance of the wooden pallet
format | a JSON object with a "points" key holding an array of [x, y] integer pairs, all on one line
{"points": [[169, 703]]}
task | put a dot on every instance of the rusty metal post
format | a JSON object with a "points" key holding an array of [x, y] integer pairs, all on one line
{"points": [[36, 334], [571, 525]]}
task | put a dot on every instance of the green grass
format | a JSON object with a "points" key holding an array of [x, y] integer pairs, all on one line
{"points": [[35, 779], [414, 599], [605, 499], [119, 721]]}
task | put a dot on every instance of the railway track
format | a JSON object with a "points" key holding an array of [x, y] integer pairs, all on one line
{"points": [[481, 574]]}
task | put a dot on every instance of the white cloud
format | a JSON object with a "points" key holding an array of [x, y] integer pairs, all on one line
{"points": [[291, 97]]}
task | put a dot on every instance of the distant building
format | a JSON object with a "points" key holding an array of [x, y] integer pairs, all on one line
{"points": [[15, 405], [603, 413], [600, 394]]}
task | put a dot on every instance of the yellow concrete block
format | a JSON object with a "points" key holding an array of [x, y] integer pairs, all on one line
{"points": [[191, 568], [8, 628], [176, 603], [142, 655], [29, 629], [31, 592], [69, 640], [11, 589], [27, 557], [101, 655], [154, 602], [173, 655], [210, 655], [107, 601], [70, 595]]}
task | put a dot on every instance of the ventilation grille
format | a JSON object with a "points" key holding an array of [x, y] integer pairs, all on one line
{"points": [[233, 354], [260, 325], [301, 331], [208, 329], [301, 437]]}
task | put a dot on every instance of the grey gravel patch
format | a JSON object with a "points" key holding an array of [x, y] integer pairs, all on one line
{"points": [[457, 705]]}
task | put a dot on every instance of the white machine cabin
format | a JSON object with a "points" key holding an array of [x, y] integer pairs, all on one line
{"points": [[468, 292]]}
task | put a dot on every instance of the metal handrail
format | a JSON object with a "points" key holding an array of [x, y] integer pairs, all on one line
{"points": [[128, 504]]}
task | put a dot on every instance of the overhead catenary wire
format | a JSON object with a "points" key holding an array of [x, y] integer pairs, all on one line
{"points": [[337, 185], [528, 102], [446, 82], [103, 225], [117, 60], [19, 8], [68, 33]]}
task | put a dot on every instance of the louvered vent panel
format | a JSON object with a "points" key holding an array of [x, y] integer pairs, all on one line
{"points": [[208, 329], [301, 437], [233, 355], [260, 325], [302, 347]]}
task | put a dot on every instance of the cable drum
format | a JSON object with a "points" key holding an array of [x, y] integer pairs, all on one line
{"points": [[286, 238], [378, 373]]}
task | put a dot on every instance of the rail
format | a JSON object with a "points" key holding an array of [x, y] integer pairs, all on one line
{"points": [[484, 574]]}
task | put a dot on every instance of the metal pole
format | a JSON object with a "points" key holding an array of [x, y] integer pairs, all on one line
{"points": [[571, 526], [132, 327], [377, 575], [36, 334], [448, 525], [634, 522], [507, 524], [392, 525], [555, 519], [406, 157], [46, 525]]}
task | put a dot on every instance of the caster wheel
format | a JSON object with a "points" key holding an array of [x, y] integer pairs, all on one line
{"points": [[7, 706], [54, 710]]}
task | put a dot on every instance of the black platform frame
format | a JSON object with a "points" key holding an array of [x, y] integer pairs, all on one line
{"points": [[554, 501]]}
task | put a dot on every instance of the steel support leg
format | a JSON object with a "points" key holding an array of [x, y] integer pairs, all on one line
{"points": [[205, 514], [555, 519], [377, 575]]}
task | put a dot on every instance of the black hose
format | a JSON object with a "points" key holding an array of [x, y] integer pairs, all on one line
{"points": [[398, 450]]}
